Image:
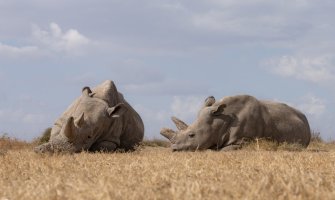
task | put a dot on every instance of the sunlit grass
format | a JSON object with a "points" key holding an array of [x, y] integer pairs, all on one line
{"points": [[260, 170]]}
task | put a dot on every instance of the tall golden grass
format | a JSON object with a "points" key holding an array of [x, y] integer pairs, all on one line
{"points": [[261, 170]]}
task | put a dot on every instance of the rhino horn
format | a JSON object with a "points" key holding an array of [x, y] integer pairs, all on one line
{"points": [[168, 133], [67, 129], [79, 121], [179, 124]]}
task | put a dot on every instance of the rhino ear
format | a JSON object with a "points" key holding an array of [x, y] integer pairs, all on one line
{"points": [[67, 129], [79, 121], [218, 110], [86, 91], [117, 110], [209, 101]]}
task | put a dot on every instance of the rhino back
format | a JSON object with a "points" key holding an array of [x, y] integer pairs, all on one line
{"points": [[286, 124], [265, 119]]}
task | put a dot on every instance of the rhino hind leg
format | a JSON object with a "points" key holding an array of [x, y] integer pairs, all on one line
{"points": [[105, 146]]}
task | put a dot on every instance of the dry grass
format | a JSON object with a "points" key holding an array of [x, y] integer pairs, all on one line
{"points": [[7, 143], [156, 143], [258, 171]]}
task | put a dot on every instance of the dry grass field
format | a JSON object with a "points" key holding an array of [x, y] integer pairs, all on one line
{"points": [[258, 171]]}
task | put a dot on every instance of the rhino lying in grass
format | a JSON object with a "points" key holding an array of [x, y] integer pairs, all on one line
{"points": [[226, 124], [99, 120]]}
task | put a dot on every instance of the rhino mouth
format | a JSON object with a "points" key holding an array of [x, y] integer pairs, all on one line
{"points": [[176, 148]]}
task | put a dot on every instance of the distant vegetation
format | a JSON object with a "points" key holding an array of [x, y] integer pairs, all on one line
{"points": [[7, 143], [45, 137], [156, 143], [316, 137]]}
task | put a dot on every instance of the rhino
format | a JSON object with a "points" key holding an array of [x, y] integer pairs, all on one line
{"points": [[99, 120], [227, 124]]}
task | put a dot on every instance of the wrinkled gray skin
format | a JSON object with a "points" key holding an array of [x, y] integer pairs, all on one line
{"points": [[226, 124], [99, 120]]}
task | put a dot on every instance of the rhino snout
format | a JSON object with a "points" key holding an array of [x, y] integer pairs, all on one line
{"points": [[175, 148]]}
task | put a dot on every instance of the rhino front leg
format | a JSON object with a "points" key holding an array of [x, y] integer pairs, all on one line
{"points": [[232, 147], [105, 146]]}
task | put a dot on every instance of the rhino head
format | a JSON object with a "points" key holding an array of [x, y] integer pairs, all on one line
{"points": [[206, 132], [79, 131]]}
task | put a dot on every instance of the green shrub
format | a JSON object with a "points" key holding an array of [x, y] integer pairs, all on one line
{"points": [[45, 136], [316, 137]]}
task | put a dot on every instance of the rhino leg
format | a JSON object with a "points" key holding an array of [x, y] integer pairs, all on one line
{"points": [[105, 146], [232, 147]]}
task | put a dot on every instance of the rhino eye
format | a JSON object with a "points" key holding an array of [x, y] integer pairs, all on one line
{"points": [[89, 137], [191, 135]]}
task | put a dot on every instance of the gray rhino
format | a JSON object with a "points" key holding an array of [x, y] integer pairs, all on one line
{"points": [[226, 124], [99, 120]]}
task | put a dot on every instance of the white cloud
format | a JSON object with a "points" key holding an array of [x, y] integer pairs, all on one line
{"points": [[186, 108], [312, 105], [183, 107], [257, 19], [13, 51], [158, 116], [70, 41], [153, 119], [54, 40], [315, 69]]}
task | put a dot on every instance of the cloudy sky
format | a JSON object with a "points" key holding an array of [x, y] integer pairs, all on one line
{"points": [[166, 57]]}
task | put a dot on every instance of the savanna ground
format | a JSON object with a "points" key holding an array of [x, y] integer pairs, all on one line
{"points": [[260, 170]]}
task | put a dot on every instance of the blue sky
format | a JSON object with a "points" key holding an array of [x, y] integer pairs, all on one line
{"points": [[166, 57]]}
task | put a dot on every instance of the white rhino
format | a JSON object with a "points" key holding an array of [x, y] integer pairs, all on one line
{"points": [[99, 120], [226, 124]]}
